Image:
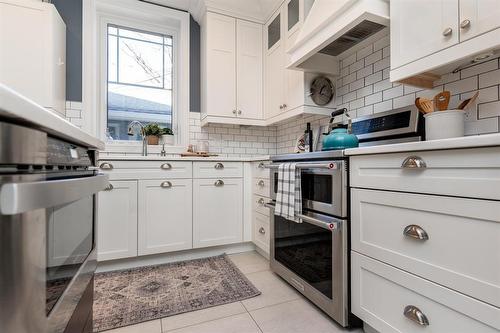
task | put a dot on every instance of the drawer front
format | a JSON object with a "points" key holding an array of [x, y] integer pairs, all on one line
{"points": [[146, 169], [218, 169], [381, 293], [261, 231], [462, 251], [472, 173], [261, 187], [259, 171], [259, 204]]}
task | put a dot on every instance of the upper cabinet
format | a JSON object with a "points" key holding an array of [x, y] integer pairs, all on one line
{"points": [[231, 70], [285, 92], [430, 38], [33, 52]]}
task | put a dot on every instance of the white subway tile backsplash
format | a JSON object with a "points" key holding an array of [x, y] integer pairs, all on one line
{"points": [[382, 85], [356, 66], [383, 106], [364, 72], [365, 91], [372, 99], [373, 57], [375, 77], [488, 110], [364, 52], [484, 67], [358, 84], [381, 43], [405, 100], [489, 79], [393, 92], [381, 64], [461, 86]]}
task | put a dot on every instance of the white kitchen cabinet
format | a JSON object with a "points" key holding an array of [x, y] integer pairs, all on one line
{"points": [[478, 17], [231, 70], [285, 89], [420, 28], [431, 38], [165, 215], [117, 221], [217, 211], [33, 52]]}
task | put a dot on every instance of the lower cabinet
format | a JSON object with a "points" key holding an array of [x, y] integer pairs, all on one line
{"points": [[218, 211], [117, 221], [165, 215]]}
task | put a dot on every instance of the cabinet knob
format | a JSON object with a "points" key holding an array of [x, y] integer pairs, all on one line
{"points": [[166, 184], [234, 111], [416, 232], [219, 183], [106, 166], [414, 314], [109, 187], [447, 32], [239, 112], [414, 162], [261, 202], [282, 107], [166, 166], [262, 165], [465, 24], [261, 183], [219, 166], [262, 230]]}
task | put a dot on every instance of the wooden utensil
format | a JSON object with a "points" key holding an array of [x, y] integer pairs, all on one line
{"points": [[419, 107], [468, 102], [426, 105], [442, 100]]}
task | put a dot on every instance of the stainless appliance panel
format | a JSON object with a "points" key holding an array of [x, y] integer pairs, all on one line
{"points": [[331, 293]]}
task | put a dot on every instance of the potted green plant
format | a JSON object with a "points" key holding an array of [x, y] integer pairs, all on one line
{"points": [[152, 132], [167, 136]]}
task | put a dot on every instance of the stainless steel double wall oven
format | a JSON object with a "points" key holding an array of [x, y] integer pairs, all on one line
{"points": [[313, 255], [47, 219]]}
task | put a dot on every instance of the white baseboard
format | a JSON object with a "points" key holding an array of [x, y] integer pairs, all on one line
{"points": [[158, 259]]}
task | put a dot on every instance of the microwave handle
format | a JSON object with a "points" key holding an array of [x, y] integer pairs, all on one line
{"points": [[17, 198]]}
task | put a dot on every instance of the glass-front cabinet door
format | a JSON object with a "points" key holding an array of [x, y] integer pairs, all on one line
{"points": [[293, 13], [274, 32]]}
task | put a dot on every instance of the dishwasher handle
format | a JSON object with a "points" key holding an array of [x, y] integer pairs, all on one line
{"points": [[18, 198]]}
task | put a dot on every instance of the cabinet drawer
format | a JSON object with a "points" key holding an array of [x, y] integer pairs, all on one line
{"points": [[146, 169], [473, 173], [462, 251], [380, 294], [261, 231], [261, 187], [259, 171], [218, 169], [259, 204]]}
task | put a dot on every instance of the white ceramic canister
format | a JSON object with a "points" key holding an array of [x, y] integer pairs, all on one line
{"points": [[444, 124]]}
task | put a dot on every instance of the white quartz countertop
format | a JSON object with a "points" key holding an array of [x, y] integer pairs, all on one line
{"points": [[26, 112], [179, 158], [473, 141]]}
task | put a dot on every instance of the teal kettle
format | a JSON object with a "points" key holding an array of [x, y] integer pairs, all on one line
{"points": [[340, 137]]}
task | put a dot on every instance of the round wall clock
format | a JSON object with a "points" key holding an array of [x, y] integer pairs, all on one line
{"points": [[321, 90]]}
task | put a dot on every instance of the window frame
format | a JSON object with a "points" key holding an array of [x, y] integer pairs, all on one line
{"points": [[149, 18]]}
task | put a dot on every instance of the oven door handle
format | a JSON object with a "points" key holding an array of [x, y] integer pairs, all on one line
{"points": [[17, 198], [333, 225]]}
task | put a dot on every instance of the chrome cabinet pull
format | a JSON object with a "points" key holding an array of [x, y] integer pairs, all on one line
{"points": [[447, 32], [415, 231], [234, 111], [465, 24], [166, 166], [262, 231], [281, 107], [261, 183], [109, 187], [262, 165], [219, 166], [414, 314], [414, 162], [261, 202], [106, 166], [284, 106], [239, 112], [219, 183], [166, 184]]}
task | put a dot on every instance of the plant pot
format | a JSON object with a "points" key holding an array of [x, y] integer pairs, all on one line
{"points": [[152, 139], [167, 139]]}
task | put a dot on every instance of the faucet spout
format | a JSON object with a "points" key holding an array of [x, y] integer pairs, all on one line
{"points": [[131, 126]]}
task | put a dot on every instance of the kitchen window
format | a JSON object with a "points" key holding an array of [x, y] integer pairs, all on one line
{"points": [[139, 85]]}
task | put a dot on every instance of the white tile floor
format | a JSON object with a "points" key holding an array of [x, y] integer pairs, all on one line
{"points": [[279, 309]]}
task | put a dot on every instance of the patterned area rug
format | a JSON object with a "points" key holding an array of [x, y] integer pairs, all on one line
{"points": [[131, 296]]}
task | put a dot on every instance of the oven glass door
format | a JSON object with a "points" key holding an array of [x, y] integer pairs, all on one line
{"points": [[306, 250], [317, 187], [70, 239]]}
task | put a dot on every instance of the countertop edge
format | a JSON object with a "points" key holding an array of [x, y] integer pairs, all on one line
{"points": [[179, 158], [473, 141], [25, 112]]}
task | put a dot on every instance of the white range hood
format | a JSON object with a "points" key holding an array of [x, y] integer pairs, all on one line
{"points": [[331, 28]]}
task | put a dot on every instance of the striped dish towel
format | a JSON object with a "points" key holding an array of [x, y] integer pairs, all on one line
{"points": [[289, 196]]}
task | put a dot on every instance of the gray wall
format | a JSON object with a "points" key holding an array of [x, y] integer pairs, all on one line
{"points": [[71, 12], [194, 67]]}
